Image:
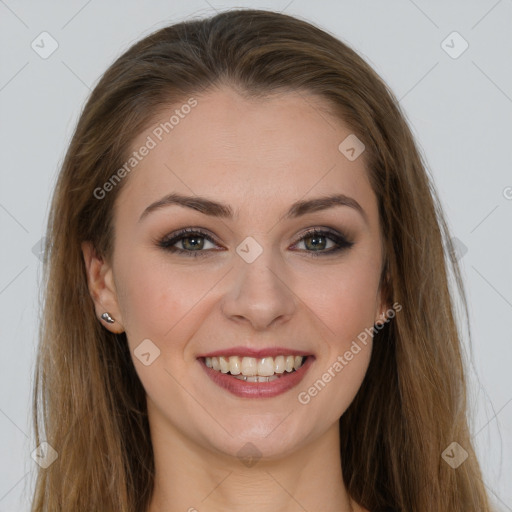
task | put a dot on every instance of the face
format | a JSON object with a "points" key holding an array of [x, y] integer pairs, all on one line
{"points": [[254, 280]]}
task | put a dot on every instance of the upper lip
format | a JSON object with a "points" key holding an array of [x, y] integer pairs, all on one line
{"points": [[257, 353]]}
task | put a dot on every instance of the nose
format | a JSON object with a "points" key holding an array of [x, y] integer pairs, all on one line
{"points": [[259, 294]]}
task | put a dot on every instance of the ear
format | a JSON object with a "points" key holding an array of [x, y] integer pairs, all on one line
{"points": [[100, 280]]}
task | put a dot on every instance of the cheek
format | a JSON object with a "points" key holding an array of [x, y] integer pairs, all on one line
{"points": [[345, 302], [160, 302], [143, 299], [344, 298]]}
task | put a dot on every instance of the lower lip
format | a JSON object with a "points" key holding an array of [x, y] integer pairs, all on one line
{"points": [[245, 389]]}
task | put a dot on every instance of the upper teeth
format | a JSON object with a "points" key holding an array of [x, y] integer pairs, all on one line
{"points": [[250, 366]]}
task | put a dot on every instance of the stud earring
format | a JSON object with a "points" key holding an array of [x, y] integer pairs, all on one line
{"points": [[107, 318]]}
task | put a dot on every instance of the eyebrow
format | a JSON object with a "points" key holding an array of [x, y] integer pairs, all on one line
{"points": [[215, 209]]}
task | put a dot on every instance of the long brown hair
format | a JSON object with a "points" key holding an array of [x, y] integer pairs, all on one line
{"points": [[89, 404]]}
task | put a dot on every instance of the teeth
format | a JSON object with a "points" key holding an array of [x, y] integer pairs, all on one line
{"points": [[279, 364], [266, 367], [250, 368], [235, 365], [224, 364], [257, 378]]}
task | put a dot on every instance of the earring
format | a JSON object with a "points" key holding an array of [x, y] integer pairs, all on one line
{"points": [[107, 318]]}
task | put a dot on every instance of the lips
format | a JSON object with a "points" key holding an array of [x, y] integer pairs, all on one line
{"points": [[250, 373]]}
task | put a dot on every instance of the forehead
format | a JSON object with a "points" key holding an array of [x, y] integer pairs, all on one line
{"points": [[219, 144]]}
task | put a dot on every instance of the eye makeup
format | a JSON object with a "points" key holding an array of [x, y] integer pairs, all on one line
{"points": [[196, 236]]}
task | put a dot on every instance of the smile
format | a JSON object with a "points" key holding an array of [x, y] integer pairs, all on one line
{"points": [[251, 369], [252, 377]]}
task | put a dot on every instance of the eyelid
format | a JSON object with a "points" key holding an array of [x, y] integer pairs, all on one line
{"points": [[326, 230], [189, 231]]}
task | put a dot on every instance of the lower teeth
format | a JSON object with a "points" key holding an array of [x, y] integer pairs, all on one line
{"points": [[256, 378]]}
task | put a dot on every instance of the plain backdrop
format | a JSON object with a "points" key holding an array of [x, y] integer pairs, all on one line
{"points": [[458, 102]]}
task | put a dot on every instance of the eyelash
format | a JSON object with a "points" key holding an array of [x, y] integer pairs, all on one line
{"points": [[168, 242]]}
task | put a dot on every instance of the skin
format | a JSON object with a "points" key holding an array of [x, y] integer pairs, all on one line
{"points": [[258, 156]]}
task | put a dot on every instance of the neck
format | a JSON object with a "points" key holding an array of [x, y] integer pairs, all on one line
{"points": [[191, 478]]}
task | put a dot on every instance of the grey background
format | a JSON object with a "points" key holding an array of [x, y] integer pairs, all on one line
{"points": [[459, 109]]}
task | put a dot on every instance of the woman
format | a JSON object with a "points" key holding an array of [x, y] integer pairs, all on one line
{"points": [[247, 303]]}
